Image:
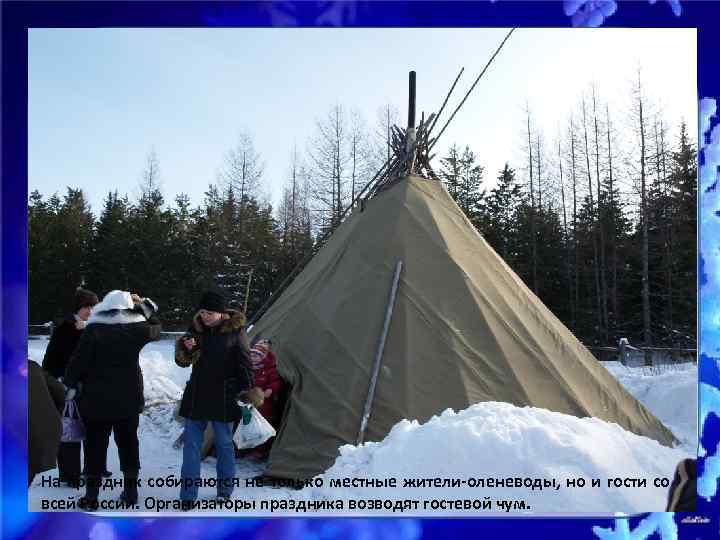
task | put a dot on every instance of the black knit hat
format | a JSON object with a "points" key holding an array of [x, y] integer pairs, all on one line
{"points": [[84, 298], [212, 301]]}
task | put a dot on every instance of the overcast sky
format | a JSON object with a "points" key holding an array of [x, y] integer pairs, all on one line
{"points": [[100, 99]]}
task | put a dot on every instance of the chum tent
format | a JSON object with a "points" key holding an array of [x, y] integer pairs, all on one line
{"points": [[462, 328]]}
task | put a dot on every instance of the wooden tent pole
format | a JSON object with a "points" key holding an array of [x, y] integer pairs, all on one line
{"points": [[442, 107], [378, 355], [471, 88], [247, 290]]}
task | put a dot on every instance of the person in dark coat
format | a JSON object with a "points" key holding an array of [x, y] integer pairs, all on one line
{"points": [[217, 348], [46, 399], [682, 496], [62, 343], [107, 363]]}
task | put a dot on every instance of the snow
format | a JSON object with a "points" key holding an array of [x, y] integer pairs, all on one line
{"points": [[501, 440], [670, 392], [487, 440]]}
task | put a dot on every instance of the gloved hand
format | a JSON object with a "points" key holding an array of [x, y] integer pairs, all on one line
{"points": [[255, 396]]}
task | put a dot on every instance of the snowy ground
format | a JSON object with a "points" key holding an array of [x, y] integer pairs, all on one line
{"points": [[486, 440], [670, 392]]}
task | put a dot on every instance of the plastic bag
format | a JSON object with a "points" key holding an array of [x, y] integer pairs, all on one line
{"points": [[73, 429], [254, 433]]}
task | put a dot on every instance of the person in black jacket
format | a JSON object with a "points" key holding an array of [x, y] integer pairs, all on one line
{"points": [[682, 496], [217, 348], [46, 398], [107, 363], [62, 343]]}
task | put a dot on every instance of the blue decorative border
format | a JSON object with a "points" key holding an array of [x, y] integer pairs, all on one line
{"points": [[18, 16]]}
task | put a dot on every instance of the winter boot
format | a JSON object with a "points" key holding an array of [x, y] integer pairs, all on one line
{"points": [[129, 494], [89, 501]]}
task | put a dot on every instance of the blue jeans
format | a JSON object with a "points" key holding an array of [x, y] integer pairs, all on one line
{"points": [[224, 449]]}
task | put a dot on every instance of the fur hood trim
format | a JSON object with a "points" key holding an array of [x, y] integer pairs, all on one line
{"points": [[115, 300], [233, 320], [118, 316]]}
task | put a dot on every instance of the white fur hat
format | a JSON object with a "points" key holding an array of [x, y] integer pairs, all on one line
{"points": [[115, 300]]}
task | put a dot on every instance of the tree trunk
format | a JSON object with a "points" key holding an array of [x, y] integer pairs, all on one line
{"points": [[647, 334], [565, 227], [539, 171], [613, 231], [293, 210], [576, 285], [533, 236], [601, 228], [594, 235], [669, 240], [241, 208]]}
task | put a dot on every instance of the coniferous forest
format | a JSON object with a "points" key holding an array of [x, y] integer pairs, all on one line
{"points": [[598, 218]]}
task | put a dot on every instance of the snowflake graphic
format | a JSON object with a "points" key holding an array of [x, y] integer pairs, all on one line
{"points": [[592, 13], [674, 4], [660, 522], [325, 13], [589, 12], [710, 310]]}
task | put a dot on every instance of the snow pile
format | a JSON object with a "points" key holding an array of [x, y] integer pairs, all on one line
{"points": [[158, 430], [501, 440], [159, 388], [669, 392], [163, 352]]}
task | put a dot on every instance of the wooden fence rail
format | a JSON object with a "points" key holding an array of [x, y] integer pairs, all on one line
{"points": [[629, 355]]}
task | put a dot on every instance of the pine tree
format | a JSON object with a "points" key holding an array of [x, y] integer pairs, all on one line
{"points": [[261, 243], [233, 251], [180, 264], [683, 182], [111, 245], [75, 229], [497, 221], [451, 171], [149, 225], [295, 226], [470, 195], [43, 270]]}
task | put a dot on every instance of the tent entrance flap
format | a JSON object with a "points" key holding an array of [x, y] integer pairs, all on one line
{"points": [[378, 355]]}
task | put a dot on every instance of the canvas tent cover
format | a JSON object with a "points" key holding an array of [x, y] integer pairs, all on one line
{"points": [[465, 329]]}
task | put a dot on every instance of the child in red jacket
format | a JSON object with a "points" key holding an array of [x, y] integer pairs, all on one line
{"points": [[266, 377]]}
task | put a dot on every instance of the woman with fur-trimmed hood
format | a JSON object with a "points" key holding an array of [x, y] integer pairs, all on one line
{"points": [[217, 348], [106, 368]]}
